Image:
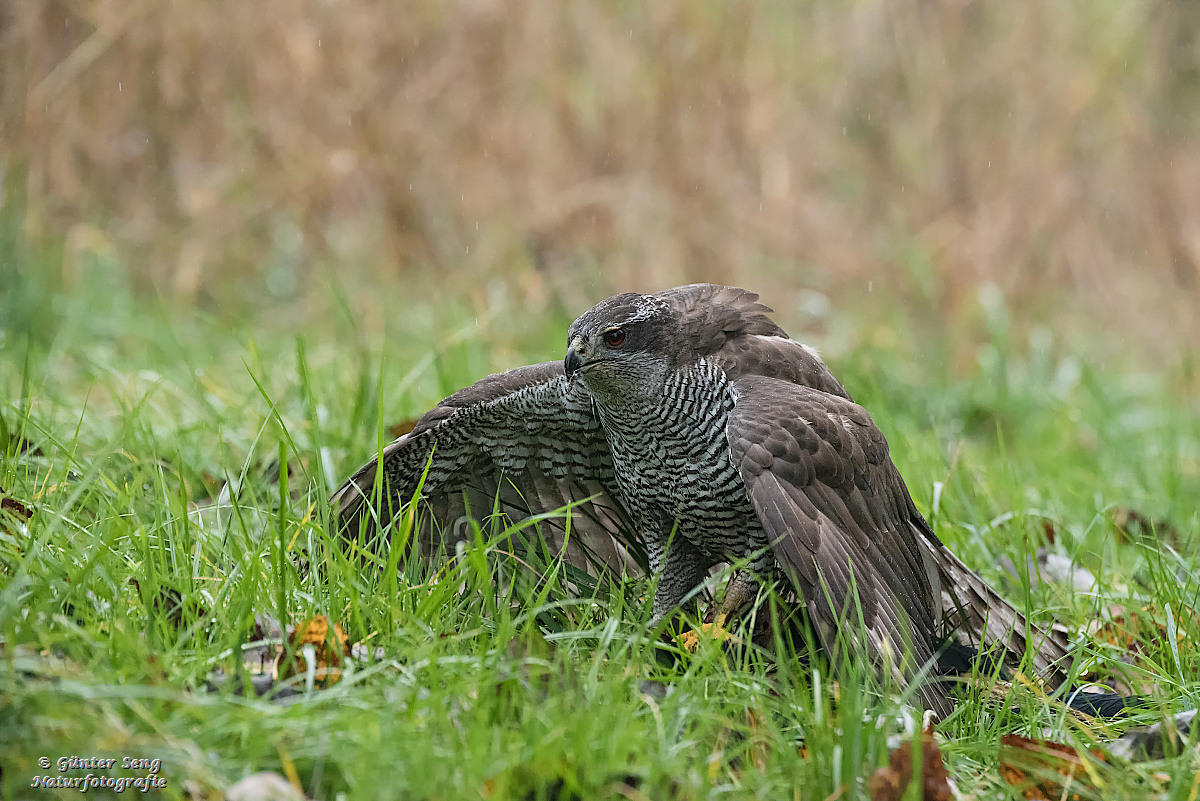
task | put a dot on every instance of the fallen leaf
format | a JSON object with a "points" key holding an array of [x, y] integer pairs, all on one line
{"points": [[1045, 770], [14, 507], [1049, 530], [1130, 525], [329, 644], [1142, 633], [892, 783], [1045, 566]]}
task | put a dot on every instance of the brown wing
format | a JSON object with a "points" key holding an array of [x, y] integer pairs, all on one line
{"points": [[711, 314], [777, 357], [964, 603], [838, 516], [731, 327], [526, 438]]}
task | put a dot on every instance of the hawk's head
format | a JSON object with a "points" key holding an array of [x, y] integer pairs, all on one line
{"points": [[623, 347]]}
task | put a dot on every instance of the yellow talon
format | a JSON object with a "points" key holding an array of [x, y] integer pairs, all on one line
{"points": [[690, 640]]}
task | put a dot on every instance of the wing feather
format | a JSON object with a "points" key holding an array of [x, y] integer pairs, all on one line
{"points": [[964, 604], [863, 511], [981, 617], [842, 551], [528, 438]]}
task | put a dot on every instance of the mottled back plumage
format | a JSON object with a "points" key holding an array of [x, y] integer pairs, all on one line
{"points": [[701, 433]]}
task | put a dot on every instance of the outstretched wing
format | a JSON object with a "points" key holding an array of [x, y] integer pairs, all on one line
{"points": [[838, 517], [527, 439]]}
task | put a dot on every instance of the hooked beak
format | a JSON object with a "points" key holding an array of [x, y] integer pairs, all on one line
{"points": [[573, 362]]}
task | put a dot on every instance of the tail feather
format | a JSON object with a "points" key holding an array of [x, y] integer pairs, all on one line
{"points": [[1107, 705], [980, 617]]}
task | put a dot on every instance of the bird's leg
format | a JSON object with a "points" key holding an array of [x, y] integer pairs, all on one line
{"points": [[740, 592], [680, 567]]}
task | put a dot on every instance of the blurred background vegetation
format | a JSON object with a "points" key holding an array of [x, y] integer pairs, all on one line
{"points": [[867, 156]]}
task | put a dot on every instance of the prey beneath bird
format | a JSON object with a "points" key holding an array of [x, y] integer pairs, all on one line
{"points": [[700, 430]]}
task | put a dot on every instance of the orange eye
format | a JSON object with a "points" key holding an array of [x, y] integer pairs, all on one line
{"points": [[614, 337]]}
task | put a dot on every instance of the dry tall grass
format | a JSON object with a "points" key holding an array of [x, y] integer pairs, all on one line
{"points": [[918, 147]]}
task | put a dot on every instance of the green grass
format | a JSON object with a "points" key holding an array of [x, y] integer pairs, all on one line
{"points": [[489, 683]]}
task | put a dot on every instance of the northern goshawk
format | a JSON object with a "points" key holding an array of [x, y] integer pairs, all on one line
{"points": [[697, 427]]}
